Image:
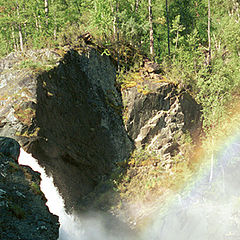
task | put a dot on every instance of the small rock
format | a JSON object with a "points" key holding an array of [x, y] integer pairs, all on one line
{"points": [[20, 194], [2, 203], [152, 67], [2, 193]]}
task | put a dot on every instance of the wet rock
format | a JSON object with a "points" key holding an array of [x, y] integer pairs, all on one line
{"points": [[9, 147], [22, 204]]}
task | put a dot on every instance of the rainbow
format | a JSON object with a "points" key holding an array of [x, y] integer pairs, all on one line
{"points": [[208, 207]]}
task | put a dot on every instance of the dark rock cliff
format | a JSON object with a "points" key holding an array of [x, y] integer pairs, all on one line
{"points": [[68, 117], [24, 214]]}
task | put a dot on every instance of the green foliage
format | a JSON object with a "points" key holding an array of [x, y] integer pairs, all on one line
{"points": [[187, 65], [149, 176], [177, 28], [122, 30], [29, 64], [216, 88], [143, 157], [212, 86], [36, 189]]}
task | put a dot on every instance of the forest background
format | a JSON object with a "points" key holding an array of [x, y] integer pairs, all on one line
{"points": [[197, 43]]}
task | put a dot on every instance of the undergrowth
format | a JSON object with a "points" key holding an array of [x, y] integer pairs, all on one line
{"points": [[148, 177]]}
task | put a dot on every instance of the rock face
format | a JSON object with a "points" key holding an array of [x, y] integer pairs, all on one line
{"points": [[159, 118], [9, 148], [68, 117], [24, 214], [64, 108]]}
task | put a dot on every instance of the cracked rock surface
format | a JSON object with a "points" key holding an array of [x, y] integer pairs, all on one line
{"points": [[159, 118]]}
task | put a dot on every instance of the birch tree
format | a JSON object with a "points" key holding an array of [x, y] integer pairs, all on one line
{"points": [[137, 2], [209, 33], [150, 19], [46, 10], [168, 28], [19, 28]]}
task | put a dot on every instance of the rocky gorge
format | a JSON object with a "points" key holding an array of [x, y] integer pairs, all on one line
{"points": [[65, 108]]}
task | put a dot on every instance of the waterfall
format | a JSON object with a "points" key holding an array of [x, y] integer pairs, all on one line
{"points": [[206, 211], [70, 226]]}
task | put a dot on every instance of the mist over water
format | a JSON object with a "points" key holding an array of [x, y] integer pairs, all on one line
{"points": [[208, 209]]}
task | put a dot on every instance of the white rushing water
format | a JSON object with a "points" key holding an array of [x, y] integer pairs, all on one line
{"points": [[92, 227], [70, 226]]}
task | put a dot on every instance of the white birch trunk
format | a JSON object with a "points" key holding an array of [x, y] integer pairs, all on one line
{"points": [[46, 9], [209, 33], [20, 30], [151, 28]]}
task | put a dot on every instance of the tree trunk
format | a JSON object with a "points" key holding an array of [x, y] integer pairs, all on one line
{"points": [[114, 20], [209, 33], [14, 39], [55, 20], [46, 10], [137, 2], [117, 31], [151, 28], [36, 21], [168, 28], [20, 37], [20, 30], [177, 39]]}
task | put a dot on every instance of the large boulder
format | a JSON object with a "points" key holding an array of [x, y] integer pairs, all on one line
{"points": [[158, 114], [68, 116], [24, 214], [9, 147]]}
